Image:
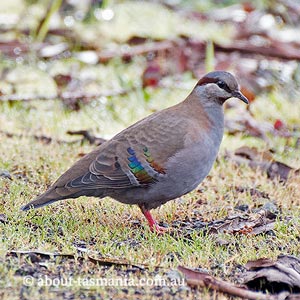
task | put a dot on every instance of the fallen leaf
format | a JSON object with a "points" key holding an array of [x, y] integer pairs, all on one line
{"points": [[274, 276], [151, 75], [254, 224], [280, 170], [253, 192], [253, 154], [246, 123], [263, 160], [204, 280]]}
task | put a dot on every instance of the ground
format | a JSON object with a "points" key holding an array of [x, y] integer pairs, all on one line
{"points": [[101, 249], [115, 231]]}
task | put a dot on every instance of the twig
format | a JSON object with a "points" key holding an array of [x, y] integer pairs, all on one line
{"points": [[65, 96], [132, 51], [93, 140], [279, 50], [88, 136], [40, 138]]}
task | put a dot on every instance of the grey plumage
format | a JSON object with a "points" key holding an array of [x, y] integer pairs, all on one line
{"points": [[156, 159]]}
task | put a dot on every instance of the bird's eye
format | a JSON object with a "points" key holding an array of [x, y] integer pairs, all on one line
{"points": [[221, 84]]}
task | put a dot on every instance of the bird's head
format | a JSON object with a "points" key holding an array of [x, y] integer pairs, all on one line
{"points": [[218, 86]]}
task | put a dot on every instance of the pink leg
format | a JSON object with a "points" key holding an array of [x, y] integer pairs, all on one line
{"points": [[152, 223]]}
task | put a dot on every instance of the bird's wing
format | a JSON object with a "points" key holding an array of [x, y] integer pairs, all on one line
{"points": [[103, 172], [135, 157]]}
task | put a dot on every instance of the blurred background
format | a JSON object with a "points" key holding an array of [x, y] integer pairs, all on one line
{"points": [[101, 65]]}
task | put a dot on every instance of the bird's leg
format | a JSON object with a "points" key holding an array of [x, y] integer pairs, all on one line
{"points": [[151, 221]]}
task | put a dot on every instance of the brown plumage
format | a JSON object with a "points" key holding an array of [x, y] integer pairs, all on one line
{"points": [[158, 158]]}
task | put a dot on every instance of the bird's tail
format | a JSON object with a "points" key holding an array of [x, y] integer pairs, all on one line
{"points": [[46, 198], [54, 194]]}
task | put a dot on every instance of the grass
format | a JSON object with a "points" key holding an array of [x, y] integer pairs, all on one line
{"points": [[117, 231]]}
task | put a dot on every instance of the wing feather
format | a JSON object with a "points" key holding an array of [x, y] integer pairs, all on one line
{"points": [[135, 157]]}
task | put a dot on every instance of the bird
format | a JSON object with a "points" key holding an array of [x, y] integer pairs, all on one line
{"points": [[157, 159]]}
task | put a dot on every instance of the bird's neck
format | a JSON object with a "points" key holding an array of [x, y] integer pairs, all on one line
{"points": [[209, 114], [206, 108], [215, 113]]}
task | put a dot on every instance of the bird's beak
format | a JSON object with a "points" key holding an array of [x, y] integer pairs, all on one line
{"points": [[239, 95]]}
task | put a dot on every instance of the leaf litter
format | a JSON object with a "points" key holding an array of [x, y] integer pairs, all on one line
{"points": [[264, 161], [274, 276], [277, 280]]}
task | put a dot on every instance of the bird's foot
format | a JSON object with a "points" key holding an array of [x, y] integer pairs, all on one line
{"points": [[154, 227], [158, 229]]}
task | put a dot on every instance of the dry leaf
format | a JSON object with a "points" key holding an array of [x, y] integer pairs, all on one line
{"points": [[262, 160], [274, 276], [254, 224], [204, 280]]}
